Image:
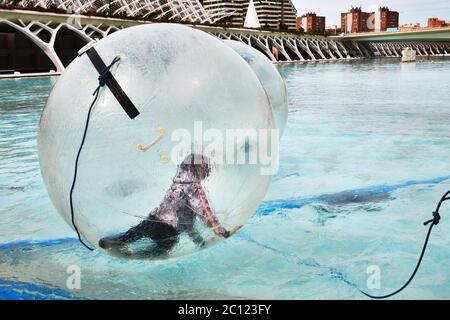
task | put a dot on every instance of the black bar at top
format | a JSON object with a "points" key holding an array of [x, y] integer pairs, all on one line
{"points": [[112, 84]]}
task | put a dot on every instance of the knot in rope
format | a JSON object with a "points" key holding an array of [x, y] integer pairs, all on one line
{"points": [[103, 77], [435, 220]]}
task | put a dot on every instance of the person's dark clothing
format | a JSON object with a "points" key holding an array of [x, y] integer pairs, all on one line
{"points": [[184, 201]]}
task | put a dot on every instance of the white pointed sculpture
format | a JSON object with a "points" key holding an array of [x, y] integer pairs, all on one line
{"points": [[251, 18]]}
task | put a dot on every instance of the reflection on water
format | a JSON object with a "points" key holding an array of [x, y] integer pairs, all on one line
{"points": [[364, 160]]}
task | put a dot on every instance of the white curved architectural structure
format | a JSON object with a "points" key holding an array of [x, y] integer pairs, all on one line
{"points": [[47, 32], [177, 10]]}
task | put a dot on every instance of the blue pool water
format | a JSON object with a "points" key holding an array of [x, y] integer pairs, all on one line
{"points": [[365, 158]]}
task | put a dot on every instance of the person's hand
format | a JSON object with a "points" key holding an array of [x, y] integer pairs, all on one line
{"points": [[234, 230]]}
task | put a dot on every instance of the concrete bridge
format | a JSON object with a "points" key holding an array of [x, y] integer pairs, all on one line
{"points": [[42, 41], [424, 34], [426, 42]]}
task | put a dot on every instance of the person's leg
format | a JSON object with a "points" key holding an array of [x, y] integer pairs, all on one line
{"points": [[165, 237], [159, 249], [135, 233]]}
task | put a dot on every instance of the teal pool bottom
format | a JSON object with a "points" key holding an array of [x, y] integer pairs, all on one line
{"points": [[364, 160]]}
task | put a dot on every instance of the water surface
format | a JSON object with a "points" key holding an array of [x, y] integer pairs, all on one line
{"points": [[364, 159]]}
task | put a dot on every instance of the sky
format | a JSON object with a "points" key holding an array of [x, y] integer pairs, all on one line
{"points": [[411, 11]]}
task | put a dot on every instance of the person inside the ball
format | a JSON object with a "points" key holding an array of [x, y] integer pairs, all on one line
{"points": [[182, 204]]}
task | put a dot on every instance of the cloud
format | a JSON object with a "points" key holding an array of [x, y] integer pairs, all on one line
{"points": [[410, 10]]}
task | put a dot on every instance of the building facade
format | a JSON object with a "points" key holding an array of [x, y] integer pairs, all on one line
{"points": [[385, 19], [275, 14], [356, 20], [436, 23], [311, 23], [333, 30], [272, 14], [410, 26], [233, 8]]}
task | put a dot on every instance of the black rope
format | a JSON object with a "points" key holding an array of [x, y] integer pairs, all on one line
{"points": [[101, 84], [115, 88], [432, 222]]}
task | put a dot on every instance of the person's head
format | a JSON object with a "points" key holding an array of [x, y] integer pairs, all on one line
{"points": [[198, 164]]}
